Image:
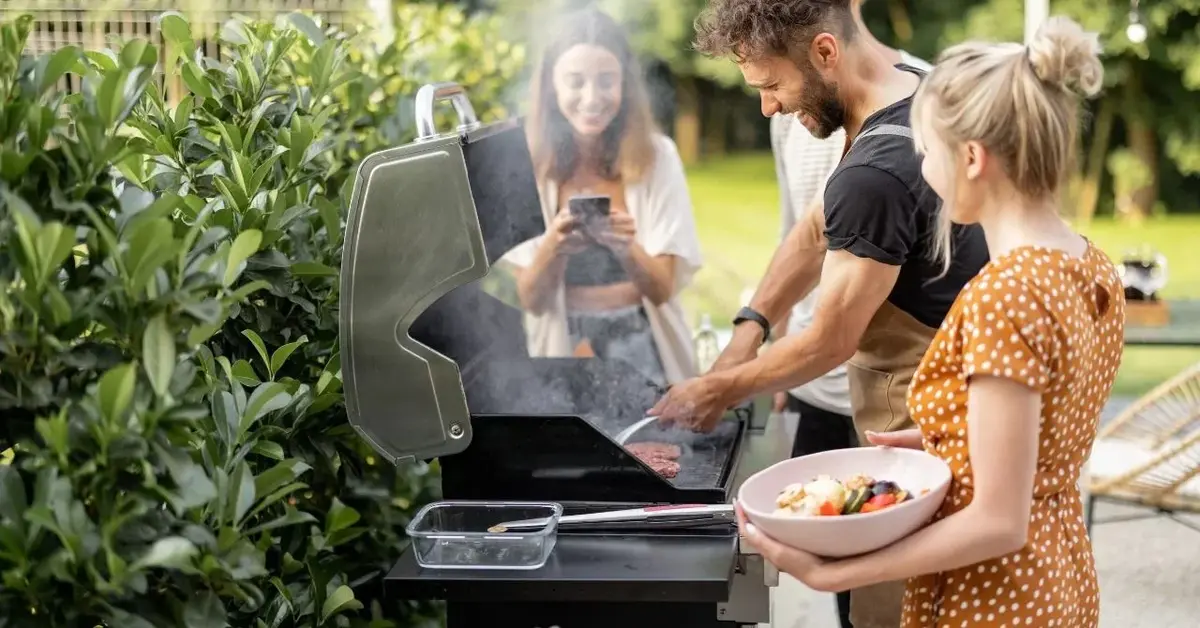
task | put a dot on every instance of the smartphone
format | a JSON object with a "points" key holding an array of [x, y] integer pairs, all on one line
{"points": [[591, 211]]}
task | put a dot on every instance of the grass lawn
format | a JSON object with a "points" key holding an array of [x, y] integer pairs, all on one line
{"points": [[737, 213]]}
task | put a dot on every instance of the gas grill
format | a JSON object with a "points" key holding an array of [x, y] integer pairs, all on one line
{"points": [[435, 365]]}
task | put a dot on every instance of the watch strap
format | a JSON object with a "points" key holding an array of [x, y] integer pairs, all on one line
{"points": [[749, 314]]}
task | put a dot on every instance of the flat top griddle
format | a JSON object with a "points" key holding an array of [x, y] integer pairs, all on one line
{"points": [[704, 456]]}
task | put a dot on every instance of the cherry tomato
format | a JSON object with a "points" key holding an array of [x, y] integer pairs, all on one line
{"points": [[882, 501]]}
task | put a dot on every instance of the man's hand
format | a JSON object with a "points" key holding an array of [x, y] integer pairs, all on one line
{"points": [[696, 404], [779, 403]]}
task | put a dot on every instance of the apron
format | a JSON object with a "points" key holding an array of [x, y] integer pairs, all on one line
{"points": [[879, 374]]}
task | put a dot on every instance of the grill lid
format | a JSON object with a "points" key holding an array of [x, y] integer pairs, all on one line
{"points": [[425, 220]]}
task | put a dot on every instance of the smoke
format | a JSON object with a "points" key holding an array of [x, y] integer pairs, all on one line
{"points": [[533, 24], [480, 326]]}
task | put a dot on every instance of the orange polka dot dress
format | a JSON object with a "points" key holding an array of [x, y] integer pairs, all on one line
{"points": [[1055, 323]]}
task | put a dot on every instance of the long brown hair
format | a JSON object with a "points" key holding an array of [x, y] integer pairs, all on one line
{"points": [[627, 143]]}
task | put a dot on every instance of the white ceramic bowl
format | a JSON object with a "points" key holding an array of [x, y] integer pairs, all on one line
{"points": [[848, 535]]}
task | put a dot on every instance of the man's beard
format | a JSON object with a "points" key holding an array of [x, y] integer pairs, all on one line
{"points": [[822, 105]]}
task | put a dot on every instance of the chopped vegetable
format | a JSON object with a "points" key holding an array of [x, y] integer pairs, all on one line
{"points": [[855, 501], [883, 500], [827, 497], [859, 481], [884, 487]]}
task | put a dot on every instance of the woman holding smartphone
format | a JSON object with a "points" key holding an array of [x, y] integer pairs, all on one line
{"points": [[621, 240]]}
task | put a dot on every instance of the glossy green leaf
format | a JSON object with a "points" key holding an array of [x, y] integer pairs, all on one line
{"points": [[306, 25], [245, 374], [339, 517], [341, 600], [204, 610], [13, 500], [158, 354], [195, 80], [268, 449], [266, 398], [138, 52], [55, 432], [55, 65], [193, 487], [245, 245], [279, 358], [291, 518], [173, 552], [258, 346], [176, 29], [151, 244], [125, 619], [241, 493], [274, 497], [115, 392], [313, 269], [250, 288]]}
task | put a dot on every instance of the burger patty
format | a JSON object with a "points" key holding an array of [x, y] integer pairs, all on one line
{"points": [[662, 457]]}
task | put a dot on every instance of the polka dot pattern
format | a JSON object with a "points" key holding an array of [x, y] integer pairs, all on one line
{"points": [[1055, 323]]}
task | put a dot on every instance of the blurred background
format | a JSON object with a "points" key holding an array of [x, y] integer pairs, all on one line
{"points": [[1138, 178]]}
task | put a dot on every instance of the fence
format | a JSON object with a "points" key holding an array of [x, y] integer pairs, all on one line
{"points": [[99, 24]]}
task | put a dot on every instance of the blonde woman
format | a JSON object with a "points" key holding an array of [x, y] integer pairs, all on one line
{"points": [[611, 286], [1010, 392]]}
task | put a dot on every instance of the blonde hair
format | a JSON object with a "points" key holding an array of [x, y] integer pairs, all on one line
{"points": [[1020, 102]]}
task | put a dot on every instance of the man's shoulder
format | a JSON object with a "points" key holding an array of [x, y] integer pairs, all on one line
{"points": [[863, 181]]}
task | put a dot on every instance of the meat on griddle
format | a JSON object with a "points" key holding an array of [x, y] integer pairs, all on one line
{"points": [[662, 457]]}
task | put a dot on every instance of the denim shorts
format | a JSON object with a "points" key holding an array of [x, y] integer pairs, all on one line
{"points": [[622, 335]]}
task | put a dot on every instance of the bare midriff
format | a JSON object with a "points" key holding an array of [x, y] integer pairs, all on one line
{"points": [[602, 298], [599, 298]]}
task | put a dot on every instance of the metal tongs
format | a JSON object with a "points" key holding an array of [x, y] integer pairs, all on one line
{"points": [[655, 517]]}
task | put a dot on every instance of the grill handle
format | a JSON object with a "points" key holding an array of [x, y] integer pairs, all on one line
{"points": [[431, 94]]}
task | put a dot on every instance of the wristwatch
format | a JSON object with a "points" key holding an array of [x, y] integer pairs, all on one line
{"points": [[748, 314]]}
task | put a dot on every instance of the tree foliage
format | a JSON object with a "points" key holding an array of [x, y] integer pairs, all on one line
{"points": [[169, 374]]}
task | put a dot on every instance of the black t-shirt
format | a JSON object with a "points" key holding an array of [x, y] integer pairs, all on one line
{"points": [[878, 206]]}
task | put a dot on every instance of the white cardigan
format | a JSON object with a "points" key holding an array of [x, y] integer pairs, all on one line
{"points": [[661, 209]]}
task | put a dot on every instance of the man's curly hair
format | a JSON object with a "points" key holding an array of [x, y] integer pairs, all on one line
{"points": [[751, 29]]}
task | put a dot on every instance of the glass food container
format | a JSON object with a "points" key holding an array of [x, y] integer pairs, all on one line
{"points": [[455, 535]]}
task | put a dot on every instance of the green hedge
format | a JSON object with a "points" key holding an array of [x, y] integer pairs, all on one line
{"points": [[169, 379]]}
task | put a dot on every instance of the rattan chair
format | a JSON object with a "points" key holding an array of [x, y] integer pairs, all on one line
{"points": [[1149, 455]]}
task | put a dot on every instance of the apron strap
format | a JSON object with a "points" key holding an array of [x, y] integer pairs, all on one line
{"points": [[884, 129]]}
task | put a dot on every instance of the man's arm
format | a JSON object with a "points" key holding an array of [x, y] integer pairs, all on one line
{"points": [[794, 271], [853, 289], [869, 232], [787, 214]]}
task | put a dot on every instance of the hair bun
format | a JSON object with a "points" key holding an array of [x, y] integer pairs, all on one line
{"points": [[1064, 54]]}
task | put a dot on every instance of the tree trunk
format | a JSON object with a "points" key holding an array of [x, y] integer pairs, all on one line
{"points": [[1093, 168], [687, 119], [1144, 143], [716, 125], [901, 23]]}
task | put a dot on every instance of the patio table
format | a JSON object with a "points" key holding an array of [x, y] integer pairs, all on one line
{"points": [[1183, 330]]}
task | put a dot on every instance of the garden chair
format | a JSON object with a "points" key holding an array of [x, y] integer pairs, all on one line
{"points": [[1149, 455]]}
